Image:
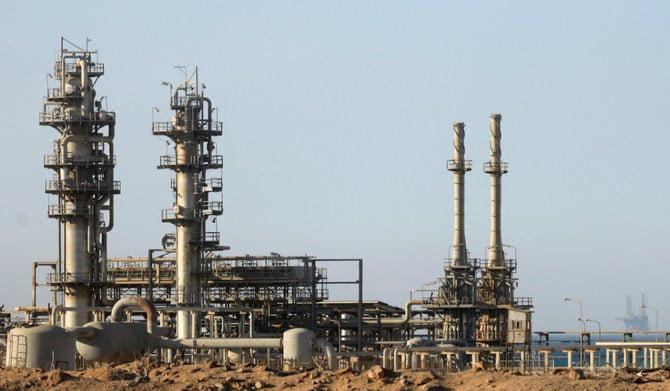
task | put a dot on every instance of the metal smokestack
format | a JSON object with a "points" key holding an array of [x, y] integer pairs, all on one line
{"points": [[495, 168], [459, 166]]}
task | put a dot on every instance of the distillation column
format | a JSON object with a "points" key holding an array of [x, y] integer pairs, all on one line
{"points": [[191, 130], [83, 183]]}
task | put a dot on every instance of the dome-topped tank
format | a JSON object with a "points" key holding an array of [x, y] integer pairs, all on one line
{"points": [[297, 346], [44, 346], [115, 342]]}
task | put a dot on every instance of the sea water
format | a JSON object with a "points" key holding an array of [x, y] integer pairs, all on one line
{"points": [[558, 340]]}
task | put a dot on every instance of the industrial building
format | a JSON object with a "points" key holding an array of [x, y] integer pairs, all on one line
{"points": [[203, 300]]}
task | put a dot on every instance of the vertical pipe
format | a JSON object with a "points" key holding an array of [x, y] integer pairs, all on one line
{"points": [[33, 302], [359, 337], [495, 169], [312, 320]]}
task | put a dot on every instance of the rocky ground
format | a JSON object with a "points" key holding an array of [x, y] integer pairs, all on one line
{"points": [[148, 376]]}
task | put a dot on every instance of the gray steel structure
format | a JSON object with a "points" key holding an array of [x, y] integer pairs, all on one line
{"points": [[476, 299], [192, 130], [83, 182]]}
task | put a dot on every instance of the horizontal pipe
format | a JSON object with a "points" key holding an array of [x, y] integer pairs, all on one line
{"points": [[396, 322], [41, 310], [208, 309], [223, 343]]}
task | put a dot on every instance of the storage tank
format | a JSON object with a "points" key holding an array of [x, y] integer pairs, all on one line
{"points": [[44, 346], [115, 342], [297, 346]]}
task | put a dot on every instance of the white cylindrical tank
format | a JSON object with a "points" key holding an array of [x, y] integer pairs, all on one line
{"points": [[45, 346], [297, 346], [115, 342]]}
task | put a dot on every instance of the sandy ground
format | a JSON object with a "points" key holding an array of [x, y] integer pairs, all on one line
{"points": [[145, 376]]}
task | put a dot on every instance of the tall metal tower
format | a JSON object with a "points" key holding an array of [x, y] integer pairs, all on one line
{"points": [[191, 130], [458, 290], [496, 287], [83, 182]]}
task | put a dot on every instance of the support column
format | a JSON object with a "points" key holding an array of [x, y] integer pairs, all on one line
{"points": [[449, 359], [645, 357], [664, 356], [654, 357], [625, 353], [613, 360], [546, 358], [497, 354], [592, 352], [474, 357], [569, 351]]}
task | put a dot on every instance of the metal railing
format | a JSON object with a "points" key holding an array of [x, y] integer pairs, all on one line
{"points": [[68, 185], [56, 93], [75, 278], [491, 168], [207, 125], [204, 161], [473, 263], [72, 159], [211, 207], [178, 213], [162, 127], [211, 185], [211, 237], [70, 65], [523, 302], [58, 117], [57, 210], [458, 165]]}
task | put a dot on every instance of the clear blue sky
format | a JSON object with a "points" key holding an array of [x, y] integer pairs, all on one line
{"points": [[338, 123]]}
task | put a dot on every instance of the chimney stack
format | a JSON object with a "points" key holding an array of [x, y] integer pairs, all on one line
{"points": [[495, 168], [459, 166]]}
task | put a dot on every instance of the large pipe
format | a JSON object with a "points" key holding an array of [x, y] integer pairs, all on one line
{"points": [[400, 321], [224, 343], [331, 354], [495, 168], [144, 304], [459, 166]]}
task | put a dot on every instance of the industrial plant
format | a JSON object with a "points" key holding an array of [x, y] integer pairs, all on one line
{"points": [[187, 299]]}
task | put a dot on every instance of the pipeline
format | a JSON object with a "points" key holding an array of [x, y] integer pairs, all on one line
{"points": [[330, 352], [247, 343], [397, 322], [222, 343], [146, 305]]}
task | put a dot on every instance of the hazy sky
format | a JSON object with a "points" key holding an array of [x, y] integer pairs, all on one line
{"points": [[338, 124]]}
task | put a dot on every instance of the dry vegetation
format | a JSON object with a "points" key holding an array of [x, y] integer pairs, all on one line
{"points": [[148, 376]]}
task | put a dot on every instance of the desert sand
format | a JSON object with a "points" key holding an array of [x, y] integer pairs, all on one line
{"points": [[142, 375]]}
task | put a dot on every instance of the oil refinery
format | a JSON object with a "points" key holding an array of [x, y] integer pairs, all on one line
{"points": [[186, 298]]}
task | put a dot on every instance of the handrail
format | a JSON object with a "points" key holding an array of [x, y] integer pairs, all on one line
{"points": [[72, 185]]}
